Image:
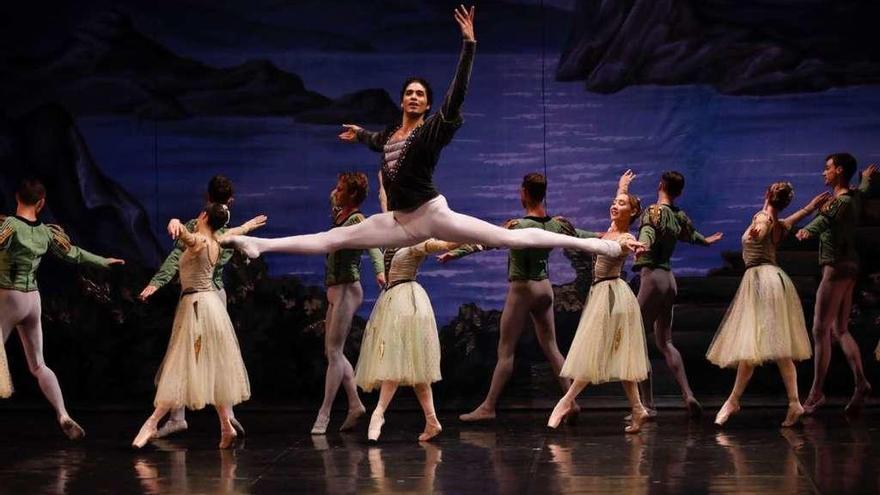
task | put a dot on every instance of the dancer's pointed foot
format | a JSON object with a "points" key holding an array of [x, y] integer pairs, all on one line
{"points": [[147, 433], [813, 402], [243, 243], [639, 417], [351, 419], [227, 438], [795, 411], [239, 430], [71, 429], [562, 409], [171, 427], [432, 428], [375, 429], [652, 415], [481, 413], [694, 409], [857, 401], [320, 426], [729, 408]]}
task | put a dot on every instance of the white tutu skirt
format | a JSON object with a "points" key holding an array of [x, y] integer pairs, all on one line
{"points": [[203, 362], [5, 377], [401, 342], [764, 322], [610, 341]]}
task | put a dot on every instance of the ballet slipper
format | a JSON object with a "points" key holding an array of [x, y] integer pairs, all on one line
{"points": [[478, 414], [854, 407], [71, 429], [813, 403], [639, 417], [227, 438], [239, 430], [432, 428], [795, 411], [320, 426], [375, 429], [146, 433], [562, 409], [694, 409], [652, 415], [351, 419], [241, 243], [728, 409], [171, 427]]}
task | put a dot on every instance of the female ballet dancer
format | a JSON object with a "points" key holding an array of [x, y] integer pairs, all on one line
{"points": [[610, 341], [765, 321], [410, 152], [24, 240], [401, 345], [203, 362]]}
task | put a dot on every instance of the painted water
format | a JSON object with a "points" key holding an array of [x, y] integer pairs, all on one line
{"points": [[729, 148]]}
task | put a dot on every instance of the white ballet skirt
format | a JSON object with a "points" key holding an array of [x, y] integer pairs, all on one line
{"points": [[401, 342], [765, 321], [610, 341], [203, 363], [5, 377]]}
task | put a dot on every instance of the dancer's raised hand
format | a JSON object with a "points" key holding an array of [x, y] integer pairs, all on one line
{"points": [[174, 227], [869, 172], [465, 20], [818, 201], [147, 292], [712, 239], [625, 180], [349, 134]]}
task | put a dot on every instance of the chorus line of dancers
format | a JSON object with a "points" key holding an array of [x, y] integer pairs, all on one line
{"points": [[203, 364]]}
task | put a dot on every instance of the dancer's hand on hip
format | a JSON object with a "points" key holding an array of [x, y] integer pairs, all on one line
{"points": [[465, 20]]}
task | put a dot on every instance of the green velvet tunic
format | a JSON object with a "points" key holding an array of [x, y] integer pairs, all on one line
{"points": [[344, 266], [662, 226]]}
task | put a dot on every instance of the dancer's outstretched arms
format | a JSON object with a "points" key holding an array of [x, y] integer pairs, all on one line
{"points": [[355, 134], [451, 109], [61, 247], [249, 226], [690, 234], [795, 218]]}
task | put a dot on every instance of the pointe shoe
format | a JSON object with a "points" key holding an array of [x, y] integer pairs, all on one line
{"points": [[729, 408], [71, 429], [638, 418], [320, 426], [478, 414], [239, 430], [375, 429], [351, 419], [857, 401], [171, 427], [146, 433], [432, 428], [694, 409], [559, 413], [795, 411], [812, 404], [227, 438], [652, 415], [242, 243]]}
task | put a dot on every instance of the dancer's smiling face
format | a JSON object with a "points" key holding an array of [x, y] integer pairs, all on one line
{"points": [[625, 207], [415, 99]]}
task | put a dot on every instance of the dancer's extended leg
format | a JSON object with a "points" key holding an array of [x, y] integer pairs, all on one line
{"points": [[789, 378], [566, 403], [426, 399], [545, 328], [343, 301], [731, 405], [513, 319]]}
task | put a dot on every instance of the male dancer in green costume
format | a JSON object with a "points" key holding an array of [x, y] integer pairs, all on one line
{"points": [[835, 226], [529, 295], [23, 242], [663, 225], [220, 191], [344, 297]]}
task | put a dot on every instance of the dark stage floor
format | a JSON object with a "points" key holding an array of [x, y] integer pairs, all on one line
{"points": [[828, 454]]}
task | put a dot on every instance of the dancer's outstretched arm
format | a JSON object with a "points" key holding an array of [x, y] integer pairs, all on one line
{"points": [[690, 234], [249, 226], [61, 247], [795, 218]]}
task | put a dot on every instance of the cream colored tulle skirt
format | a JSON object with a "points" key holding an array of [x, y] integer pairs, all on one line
{"points": [[610, 341], [400, 342], [764, 322], [203, 363], [5, 378]]}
